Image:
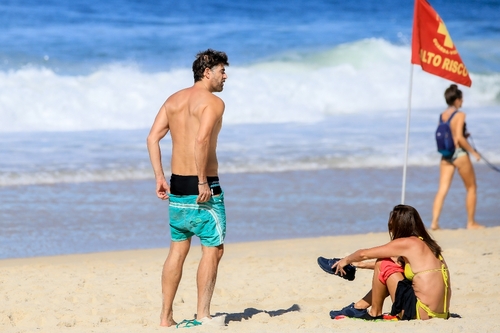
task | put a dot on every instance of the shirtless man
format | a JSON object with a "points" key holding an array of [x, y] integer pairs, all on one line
{"points": [[194, 118]]}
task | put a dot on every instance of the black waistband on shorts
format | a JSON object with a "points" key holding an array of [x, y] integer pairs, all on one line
{"points": [[188, 185]]}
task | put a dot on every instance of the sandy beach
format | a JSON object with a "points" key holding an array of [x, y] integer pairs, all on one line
{"points": [[265, 286]]}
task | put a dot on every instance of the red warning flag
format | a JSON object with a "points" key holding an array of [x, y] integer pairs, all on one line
{"points": [[432, 47]]}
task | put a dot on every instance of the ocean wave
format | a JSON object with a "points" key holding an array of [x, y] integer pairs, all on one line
{"points": [[262, 166], [347, 141], [367, 75], [321, 163], [82, 176]]}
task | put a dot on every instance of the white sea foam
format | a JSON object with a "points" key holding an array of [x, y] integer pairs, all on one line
{"points": [[368, 75], [269, 166], [342, 141]]}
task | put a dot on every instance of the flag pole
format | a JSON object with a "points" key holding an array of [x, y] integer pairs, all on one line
{"points": [[403, 190]]}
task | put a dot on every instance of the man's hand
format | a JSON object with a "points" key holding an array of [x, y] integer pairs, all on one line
{"points": [[204, 193], [162, 189]]}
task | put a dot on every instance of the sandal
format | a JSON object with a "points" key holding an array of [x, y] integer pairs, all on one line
{"points": [[188, 323]]}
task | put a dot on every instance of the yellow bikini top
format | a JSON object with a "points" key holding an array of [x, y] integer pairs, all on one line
{"points": [[410, 275], [408, 272]]}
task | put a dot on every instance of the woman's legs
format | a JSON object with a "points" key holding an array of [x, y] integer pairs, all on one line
{"points": [[379, 292], [446, 171], [365, 302], [466, 171]]}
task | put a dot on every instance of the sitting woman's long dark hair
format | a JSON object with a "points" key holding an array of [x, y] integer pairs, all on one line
{"points": [[404, 221]]}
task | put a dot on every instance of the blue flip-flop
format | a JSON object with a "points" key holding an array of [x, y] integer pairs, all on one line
{"points": [[326, 265]]}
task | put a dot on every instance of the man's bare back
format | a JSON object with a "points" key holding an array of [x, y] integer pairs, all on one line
{"points": [[185, 110], [194, 118]]}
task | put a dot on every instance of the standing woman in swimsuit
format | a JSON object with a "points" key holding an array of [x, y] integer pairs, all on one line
{"points": [[460, 160], [410, 269]]}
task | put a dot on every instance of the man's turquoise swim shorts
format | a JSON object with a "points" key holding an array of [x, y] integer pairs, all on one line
{"points": [[207, 220]]}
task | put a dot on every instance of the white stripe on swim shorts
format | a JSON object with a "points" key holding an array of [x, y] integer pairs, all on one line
{"points": [[206, 207]]}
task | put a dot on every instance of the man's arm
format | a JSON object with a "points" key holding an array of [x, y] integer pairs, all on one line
{"points": [[209, 117], [158, 131]]}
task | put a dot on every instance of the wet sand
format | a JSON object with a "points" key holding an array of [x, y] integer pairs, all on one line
{"points": [[41, 220]]}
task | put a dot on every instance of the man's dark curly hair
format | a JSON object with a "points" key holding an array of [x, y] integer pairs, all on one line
{"points": [[208, 59]]}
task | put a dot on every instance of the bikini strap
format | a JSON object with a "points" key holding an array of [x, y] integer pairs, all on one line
{"points": [[444, 272]]}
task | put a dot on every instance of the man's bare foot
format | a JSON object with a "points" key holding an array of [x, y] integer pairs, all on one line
{"points": [[475, 225], [435, 227], [167, 322]]}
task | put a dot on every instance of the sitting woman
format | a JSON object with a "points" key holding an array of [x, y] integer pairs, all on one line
{"points": [[417, 278]]}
